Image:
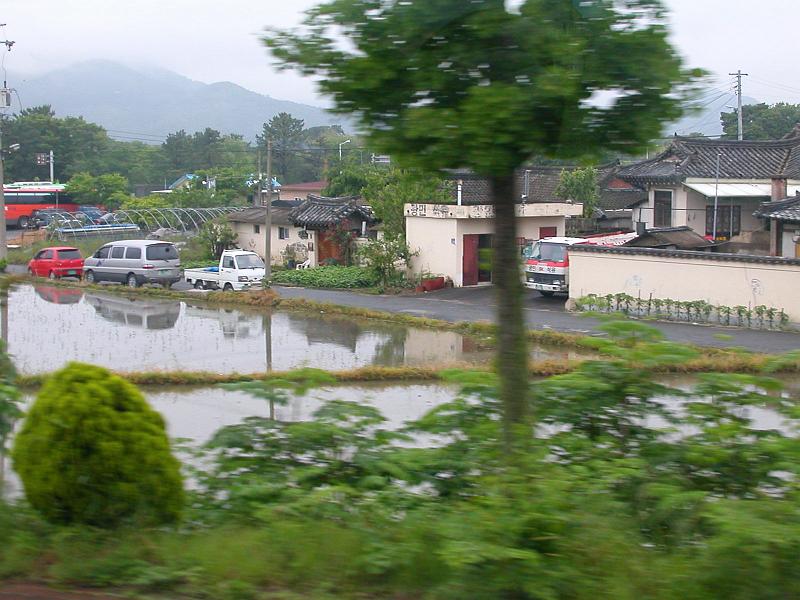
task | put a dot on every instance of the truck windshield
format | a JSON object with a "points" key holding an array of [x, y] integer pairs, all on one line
{"points": [[547, 251], [249, 261]]}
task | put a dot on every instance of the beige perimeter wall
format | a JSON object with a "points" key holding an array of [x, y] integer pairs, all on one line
{"points": [[722, 282]]}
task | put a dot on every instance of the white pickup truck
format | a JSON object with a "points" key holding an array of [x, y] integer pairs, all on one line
{"points": [[237, 270]]}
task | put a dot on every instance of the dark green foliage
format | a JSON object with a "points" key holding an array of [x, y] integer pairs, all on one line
{"points": [[92, 451], [580, 186], [329, 277], [761, 121]]}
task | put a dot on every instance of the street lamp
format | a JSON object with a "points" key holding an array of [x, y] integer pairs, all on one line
{"points": [[340, 149]]}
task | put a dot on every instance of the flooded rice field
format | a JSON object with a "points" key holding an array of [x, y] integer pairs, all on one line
{"points": [[49, 326]]}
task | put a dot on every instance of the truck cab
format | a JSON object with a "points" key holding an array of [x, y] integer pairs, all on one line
{"points": [[547, 264], [237, 270]]}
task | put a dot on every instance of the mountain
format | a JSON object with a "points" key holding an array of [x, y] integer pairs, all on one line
{"points": [[706, 118], [130, 102]]}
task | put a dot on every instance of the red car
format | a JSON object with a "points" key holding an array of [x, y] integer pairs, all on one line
{"points": [[59, 261]]}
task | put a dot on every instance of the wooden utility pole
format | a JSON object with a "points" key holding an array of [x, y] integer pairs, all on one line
{"points": [[3, 240], [268, 232]]}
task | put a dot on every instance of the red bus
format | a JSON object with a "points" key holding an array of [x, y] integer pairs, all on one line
{"points": [[25, 198]]}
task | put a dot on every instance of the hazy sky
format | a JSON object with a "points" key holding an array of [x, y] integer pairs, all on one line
{"points": [[218, 40]]}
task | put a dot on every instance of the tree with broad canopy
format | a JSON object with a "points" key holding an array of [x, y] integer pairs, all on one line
{"points": [[442, 84]]}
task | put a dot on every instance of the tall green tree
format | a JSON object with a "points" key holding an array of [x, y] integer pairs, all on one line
{"points": [[105, 189], [76, 144], [761, 121], [580, 185], [442, 84], [287, 134]]}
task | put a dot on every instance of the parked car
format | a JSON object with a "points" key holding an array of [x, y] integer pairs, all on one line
{"points": [[53, 216], [92, 213], [134, 262], [55, 262]]}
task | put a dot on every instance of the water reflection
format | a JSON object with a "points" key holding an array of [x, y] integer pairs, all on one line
{"points": [[58, 295], [148, 314], [147, 334]]}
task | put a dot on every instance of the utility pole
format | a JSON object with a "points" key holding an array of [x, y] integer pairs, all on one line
{"points": [[739, 76], [3, 240], [268, 232]]}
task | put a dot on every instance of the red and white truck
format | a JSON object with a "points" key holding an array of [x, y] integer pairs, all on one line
{"points": [[547, 260]]}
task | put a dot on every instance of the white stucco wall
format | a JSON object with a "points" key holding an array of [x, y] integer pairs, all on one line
{"points": [[436, 242], [437, 232], [255, 242], [727, 283]]}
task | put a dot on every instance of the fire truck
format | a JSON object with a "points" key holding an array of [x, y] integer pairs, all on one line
{"points": [[547, 260]]}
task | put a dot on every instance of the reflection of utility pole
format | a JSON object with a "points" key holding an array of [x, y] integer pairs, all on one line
{"points": [[268, 232], [739, 76], [4, 334], [267, 325]]}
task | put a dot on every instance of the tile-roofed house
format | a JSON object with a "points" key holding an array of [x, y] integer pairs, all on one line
{"points": [[327, 216], [249, 224], [537, 183], [685, 188], [671, 238], [318, 212], [783, 217]]}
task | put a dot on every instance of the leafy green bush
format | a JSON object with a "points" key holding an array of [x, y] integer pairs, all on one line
{"points": [[92, 451], [329, 277]]}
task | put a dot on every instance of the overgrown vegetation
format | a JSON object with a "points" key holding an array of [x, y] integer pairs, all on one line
{"points": [[627, 488], [91, 451], [329, 277]]}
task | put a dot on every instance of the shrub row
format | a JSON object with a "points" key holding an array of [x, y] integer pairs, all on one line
{"points": [[698, 311], [329, 277]]}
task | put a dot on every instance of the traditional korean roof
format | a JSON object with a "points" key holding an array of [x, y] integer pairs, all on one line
{"points": [[318, 212], [787, 209], [280, 215], [678, 238], [691, 157], [537, 183]]}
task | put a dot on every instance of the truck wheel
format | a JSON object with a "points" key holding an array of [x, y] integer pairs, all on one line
{"points": [[228, 288], [132, 283], [198, 284], [22, 222], [546, 294]]}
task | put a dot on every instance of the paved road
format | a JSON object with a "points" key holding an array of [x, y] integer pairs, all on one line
{"points": [[478, 305]]}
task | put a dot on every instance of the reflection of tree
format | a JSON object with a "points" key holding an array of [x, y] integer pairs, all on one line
{"points": [[327, 330], [392, 350]]}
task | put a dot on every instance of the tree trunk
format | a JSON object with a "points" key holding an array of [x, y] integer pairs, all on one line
{"points": [[512, 350]]}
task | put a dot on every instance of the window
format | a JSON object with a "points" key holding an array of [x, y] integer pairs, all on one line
{"points": [[283, 233], [118, 252], [69, 254], [46, 255], [250, 261], [227, 262], [256, 228], [103, 252], [162, 252], [727, 215], [545, 232], [662, 208], [133, 253]]}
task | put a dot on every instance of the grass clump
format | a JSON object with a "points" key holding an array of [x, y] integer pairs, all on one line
{"points": [[92, 451], [329, 277]]}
